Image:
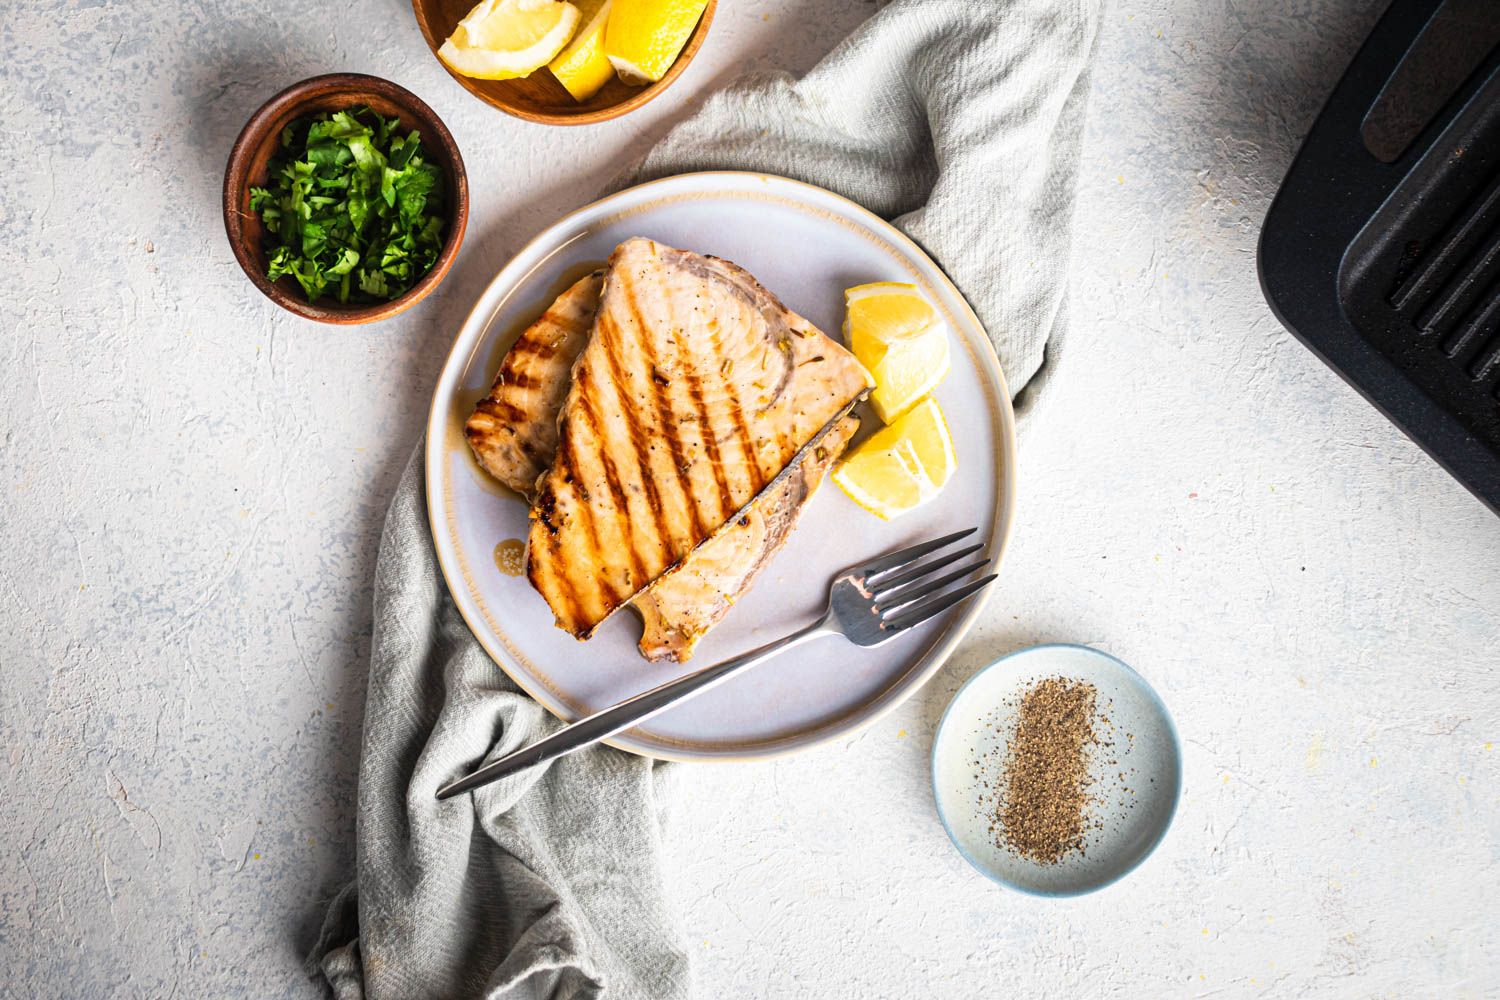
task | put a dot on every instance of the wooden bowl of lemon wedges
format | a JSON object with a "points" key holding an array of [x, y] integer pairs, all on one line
{"points": [[565, 63]]}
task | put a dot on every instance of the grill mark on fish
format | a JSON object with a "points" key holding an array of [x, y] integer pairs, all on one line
{"points": [[529, 347], [705, 432], [711, 450], [742, 285], [503, 411], [737, 423], [590, 415], [668, 430], [603, 586], [640, 441]]}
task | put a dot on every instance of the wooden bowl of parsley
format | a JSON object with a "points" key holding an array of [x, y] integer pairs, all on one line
{"points": [[345, 199]]}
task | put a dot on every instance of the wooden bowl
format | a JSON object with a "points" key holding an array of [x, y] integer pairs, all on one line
{"points": [[260, 140], [539, 97]]}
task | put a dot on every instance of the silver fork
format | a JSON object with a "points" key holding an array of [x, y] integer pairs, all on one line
{"points": [[867, 604]]}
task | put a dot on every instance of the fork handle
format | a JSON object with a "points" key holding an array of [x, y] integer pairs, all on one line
{"points": [[602, 725]]}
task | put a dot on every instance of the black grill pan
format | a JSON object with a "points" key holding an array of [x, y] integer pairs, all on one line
{"points": [[1381, 251]]}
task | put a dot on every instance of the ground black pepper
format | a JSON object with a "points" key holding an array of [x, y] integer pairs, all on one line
{"points": [[1042, 803]]}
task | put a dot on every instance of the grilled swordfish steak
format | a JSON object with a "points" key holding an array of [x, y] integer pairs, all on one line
{"points": [[513, 433], [513, 430], [695, 389]]}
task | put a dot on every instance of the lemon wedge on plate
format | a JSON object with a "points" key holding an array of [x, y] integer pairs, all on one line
{"points": [[898, 336], [887, 482], [900, 467], [582, 67], [505, 39], [645, 37]]}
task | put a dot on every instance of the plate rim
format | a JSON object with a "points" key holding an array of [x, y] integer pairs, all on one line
{"points": [[852, 722], [1175, 742]]}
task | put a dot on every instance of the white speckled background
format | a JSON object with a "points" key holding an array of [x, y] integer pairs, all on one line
{"points": [[193, 482]]}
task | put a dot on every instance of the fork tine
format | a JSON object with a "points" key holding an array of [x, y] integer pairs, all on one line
{"points": [[876, 568], [926, 589], [937, 605], [926, 569]]}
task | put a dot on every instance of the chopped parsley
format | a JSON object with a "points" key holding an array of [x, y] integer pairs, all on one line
{"points": [[352, 209]]}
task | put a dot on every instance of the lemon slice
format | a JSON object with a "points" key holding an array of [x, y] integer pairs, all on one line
{"points": [[927, 429], [898, 336], [582, 67], [900, 467], [645, 37], [504, 39], [887, 482]]}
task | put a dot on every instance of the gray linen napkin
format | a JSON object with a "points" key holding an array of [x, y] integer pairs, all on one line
{"points": [[544, 884], [960, 120]]}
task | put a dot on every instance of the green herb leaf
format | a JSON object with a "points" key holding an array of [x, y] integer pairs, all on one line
{"points": [[373, 283], [351, 209], [346, 263]]}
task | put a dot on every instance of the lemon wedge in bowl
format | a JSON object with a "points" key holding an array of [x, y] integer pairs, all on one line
{"points": [[644, 37], [505, 39], [897, 335], [900, 467], [583, 68]]}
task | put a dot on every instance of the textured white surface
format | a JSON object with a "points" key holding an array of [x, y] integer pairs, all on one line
{"points": [[193, 483]]}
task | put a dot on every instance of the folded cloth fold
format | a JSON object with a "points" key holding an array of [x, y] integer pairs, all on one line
{"points": [[545, 884], [957, 119]]}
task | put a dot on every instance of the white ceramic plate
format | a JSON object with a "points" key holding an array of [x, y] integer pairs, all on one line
{"points": [[1137, 777], [806, 245]]}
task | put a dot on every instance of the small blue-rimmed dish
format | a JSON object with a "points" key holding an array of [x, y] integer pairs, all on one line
{"points": [[1136, 770]]}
